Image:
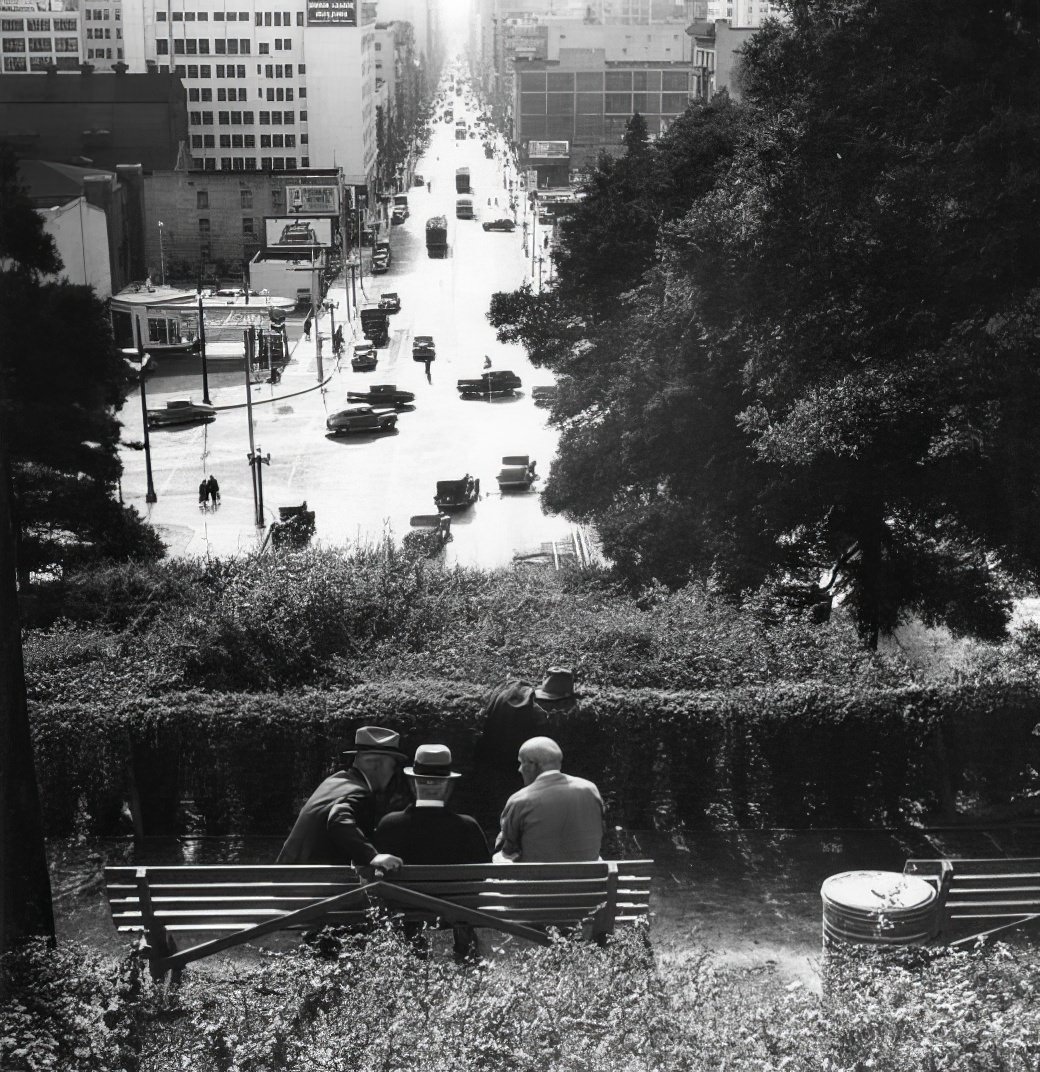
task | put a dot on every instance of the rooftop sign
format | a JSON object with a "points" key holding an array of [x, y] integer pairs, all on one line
{"points": [[332, 12]]}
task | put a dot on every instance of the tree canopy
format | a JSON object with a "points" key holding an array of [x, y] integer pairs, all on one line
{"points": [[61, 383], [811, 360]]}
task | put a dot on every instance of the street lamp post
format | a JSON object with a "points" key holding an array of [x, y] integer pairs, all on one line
{"points": [[332, 306], [249, 341], [145, 359], [202, 349], [256, 462], [162, 256]]}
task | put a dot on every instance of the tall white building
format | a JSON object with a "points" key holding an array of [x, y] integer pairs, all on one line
{"points": [[272, 84]]}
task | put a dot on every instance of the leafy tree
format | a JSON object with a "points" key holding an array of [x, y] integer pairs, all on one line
{"points": [[822, 370]]}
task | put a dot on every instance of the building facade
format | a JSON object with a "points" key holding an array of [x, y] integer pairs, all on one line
{"points": [[272, 85]]}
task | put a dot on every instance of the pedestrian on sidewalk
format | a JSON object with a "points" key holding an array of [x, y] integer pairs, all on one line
{"points": [[203, 494], [429, 187], [213, 490], [307, 328]]}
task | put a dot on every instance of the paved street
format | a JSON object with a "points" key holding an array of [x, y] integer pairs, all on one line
{"points": [[363, 485]]}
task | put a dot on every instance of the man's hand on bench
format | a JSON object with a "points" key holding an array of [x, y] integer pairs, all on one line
{"points": [[384, 863]]}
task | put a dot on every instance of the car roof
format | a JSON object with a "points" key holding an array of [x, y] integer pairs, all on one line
{"points": [[353, 409], [424, 338]]}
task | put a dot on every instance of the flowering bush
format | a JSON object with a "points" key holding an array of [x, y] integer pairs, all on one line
{"points": [[368, 1005]]}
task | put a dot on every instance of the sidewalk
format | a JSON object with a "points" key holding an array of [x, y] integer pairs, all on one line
{"points": [[300, 375]]}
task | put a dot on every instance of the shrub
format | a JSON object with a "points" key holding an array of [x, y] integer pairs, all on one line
{"points": [[368, 1004]]}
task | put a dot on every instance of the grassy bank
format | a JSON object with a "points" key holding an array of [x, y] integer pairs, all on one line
{"points": [[373, 1006]]}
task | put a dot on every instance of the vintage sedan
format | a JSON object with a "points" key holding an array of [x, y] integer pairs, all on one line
{"points": [[181, 411], [357, 417], [365, 357], [491, 384], [457, 494], [517, 473], [499, 225], [390, 301], [383, 394], [423, 348]]}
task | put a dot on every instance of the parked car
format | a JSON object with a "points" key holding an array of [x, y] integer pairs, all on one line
{"points": [[390, 301], [399, 214], [499, 225], [517, 473], [418, 180], [360, 418], [382, 394], [423, 348], [490, 384], [181, 411], [380, 262], [457, 494], [365, 357]]}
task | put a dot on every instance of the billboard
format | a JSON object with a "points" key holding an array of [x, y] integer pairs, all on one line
{"points": [[297, 232], [332, 12], [312, 200], [549, 150]]}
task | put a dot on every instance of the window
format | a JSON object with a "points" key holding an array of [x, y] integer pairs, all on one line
{"points": [[207, 119], [195, 118], [270, 93], [249, 141], [220, 47], [674, 103], [191, 46], [180, 71], [193, 70], [618, 103], [589, 104], [201, 196], [211, 165], [218, 16], [204, 46], [207, 95], [66, 44], [675, 81], [236, 119], [269, 70], [559, 82], [250, 163], [265, 161], [532, 104], [178, 16], [12, 25], [221, 94], [289, 94], [65, 26], [209, 141], [204, 71], [223, 118], [277, 141], [196, 141], [276, 119], [225, 163], [618, 81], [646, 103], [303, 89], [290, 141], [193, 94], [160, 16], [299, 18], [14, 63], [532, 81], [288, 70], [290, 163], [247, 119], [203, 226], [305, 162], [162, 47], [265, 48], [290, 118], [265, 119], [247, 225], [279, 94], [560, 103], [302, 68], [303, 116], [265, 141], [245, 198], [241, 70], [178, 47], [236, 141], [225, 141]]}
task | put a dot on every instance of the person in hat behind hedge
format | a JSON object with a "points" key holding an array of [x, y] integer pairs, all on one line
{"points": [[337, 824], [428, 832], [556, 692], [556, 817]]}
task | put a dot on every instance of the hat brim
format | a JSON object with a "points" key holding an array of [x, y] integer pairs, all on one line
{"points": [[410, 771], [375, 752], [541, 694]]}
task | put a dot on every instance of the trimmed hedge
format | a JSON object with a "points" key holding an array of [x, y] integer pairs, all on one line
{"points": [[793, 756]]}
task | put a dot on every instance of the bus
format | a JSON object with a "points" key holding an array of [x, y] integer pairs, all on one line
{"points": [[464, 209]]}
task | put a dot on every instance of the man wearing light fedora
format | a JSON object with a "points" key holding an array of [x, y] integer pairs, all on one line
{"points": [[428, 832], [556, 688], [556, 817], [337, 823]]}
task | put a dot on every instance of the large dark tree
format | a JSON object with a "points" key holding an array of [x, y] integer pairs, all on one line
{"points": [[64, 381], [826, 375]]}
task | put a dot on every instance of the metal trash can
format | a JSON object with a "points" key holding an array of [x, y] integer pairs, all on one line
{"points": [[878, 908]]}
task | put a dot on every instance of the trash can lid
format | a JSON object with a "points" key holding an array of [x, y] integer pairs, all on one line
{"points": [[874, 891]]}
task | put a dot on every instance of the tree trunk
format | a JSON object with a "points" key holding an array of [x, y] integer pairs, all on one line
{"points": [[25, 887], [870, 606]]}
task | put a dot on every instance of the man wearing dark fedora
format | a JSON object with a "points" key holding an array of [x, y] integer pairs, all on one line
{"points": [[428, 832], [337, 823], [556, 690]]}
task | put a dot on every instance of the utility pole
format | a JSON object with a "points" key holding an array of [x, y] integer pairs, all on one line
{"points": [[144, 358], [248, 340], [202, 343]]}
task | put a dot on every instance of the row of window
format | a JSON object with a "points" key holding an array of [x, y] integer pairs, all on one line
{"points": [[248, 224], [271, 70], [610, 81], [38, 25], [41, 44], [103, 34], [18, 65], [200, 46], [238, 119], [246, 141], [240, 94], [248, 163], [586, 128], [245, 199], [97, 14], [267, 18], [103, 54], [600, 103]]}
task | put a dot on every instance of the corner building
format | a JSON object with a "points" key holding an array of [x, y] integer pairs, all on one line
{"points": [[272, 85]]}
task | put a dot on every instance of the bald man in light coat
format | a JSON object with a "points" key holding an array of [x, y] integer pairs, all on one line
{"points": [[556, 817]]}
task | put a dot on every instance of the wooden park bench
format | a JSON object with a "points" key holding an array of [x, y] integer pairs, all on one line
{"points": [[244, 902], [981, 897]]}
